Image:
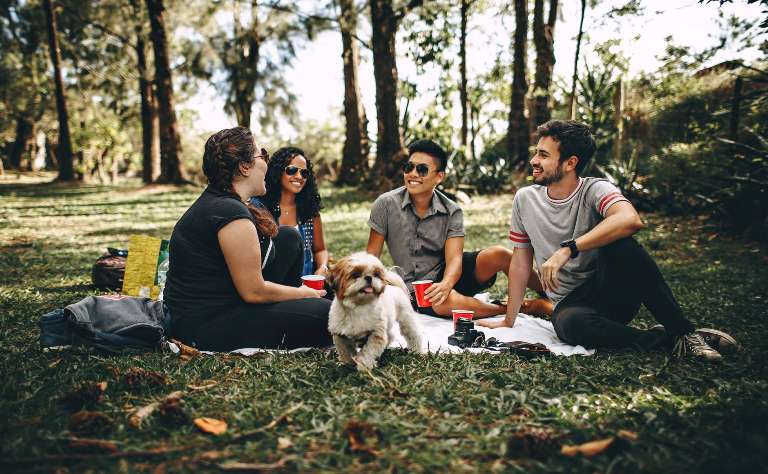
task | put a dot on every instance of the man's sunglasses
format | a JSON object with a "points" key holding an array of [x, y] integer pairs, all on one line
{"points": [[291, 170], [421, 168]]}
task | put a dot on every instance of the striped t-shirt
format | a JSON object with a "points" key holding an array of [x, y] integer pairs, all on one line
{"points": [[541, 222]]}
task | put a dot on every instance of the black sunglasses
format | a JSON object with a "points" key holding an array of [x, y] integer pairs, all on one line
{"points": [[291, 170], [421, 168], [263, 155]]}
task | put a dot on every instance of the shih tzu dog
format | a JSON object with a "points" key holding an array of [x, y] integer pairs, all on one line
{"points": [[369, 299]]}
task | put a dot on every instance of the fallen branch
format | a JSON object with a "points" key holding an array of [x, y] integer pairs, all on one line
{"points": [[248, 434], [142, 413]]}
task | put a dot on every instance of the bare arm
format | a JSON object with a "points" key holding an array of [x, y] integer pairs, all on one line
{"points": [[375, 243], [318, 247], [239, 243], [439, 291], [621, 220], [520, 268]]}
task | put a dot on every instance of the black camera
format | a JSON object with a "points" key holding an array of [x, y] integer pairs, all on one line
{"points": [[466, 335]]}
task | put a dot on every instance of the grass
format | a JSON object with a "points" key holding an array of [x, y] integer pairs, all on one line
{"points": [[418, 413]]}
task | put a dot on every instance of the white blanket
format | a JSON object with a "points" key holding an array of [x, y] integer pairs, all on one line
{"points": [[435, 332], [527, 328]]}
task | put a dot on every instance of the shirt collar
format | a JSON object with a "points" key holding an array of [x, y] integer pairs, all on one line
{"points": [[434, 207]]}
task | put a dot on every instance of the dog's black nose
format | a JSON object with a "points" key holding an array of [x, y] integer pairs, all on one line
{"points": [[368, 279]]}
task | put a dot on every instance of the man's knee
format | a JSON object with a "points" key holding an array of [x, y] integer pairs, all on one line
{"points": [[496, 256], [570, 327]]}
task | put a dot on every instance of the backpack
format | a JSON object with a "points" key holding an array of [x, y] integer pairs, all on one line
{"points": [[109, 270]]}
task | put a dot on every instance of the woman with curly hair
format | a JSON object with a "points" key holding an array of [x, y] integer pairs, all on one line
{"points": [[235, 277], [293, 200]]}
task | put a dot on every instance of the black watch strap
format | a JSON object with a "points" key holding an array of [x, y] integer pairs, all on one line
{"points": [[571, 244]]}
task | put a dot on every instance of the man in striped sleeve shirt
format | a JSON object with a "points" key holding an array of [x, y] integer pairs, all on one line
{"points": [[579, 232]]}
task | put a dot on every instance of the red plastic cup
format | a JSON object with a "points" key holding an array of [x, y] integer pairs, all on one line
{"points": [[461, 313], [314, 281], [420, 287]]}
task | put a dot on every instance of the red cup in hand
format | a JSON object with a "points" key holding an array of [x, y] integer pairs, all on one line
{"points": [[419, 288], [314, 281], [461, 313]]}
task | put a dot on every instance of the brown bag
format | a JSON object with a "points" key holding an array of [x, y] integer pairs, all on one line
{"points": [[109, 270]]}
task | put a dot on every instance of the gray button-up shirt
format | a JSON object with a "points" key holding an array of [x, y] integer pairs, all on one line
{"points": [[417, 245]]}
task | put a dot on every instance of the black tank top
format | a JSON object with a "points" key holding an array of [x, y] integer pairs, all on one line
{"points": [[199, 285]]}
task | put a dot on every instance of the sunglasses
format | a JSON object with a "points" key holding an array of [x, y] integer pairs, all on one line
{"points": [[420, 168], [263, 155], [291, 170]]}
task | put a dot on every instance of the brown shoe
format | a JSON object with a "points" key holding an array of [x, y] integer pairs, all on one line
{"points": [[720, 341]]}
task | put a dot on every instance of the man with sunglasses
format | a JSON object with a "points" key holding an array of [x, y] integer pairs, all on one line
{"points": [[424, 232]]}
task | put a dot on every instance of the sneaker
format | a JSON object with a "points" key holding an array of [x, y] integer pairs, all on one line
{"points": [[694, 345], [720, 341]]}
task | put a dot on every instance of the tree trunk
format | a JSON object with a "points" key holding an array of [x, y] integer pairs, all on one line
{"points": [[618, 121], [733, 126], [517, 131], [150, 162], [243, 72], [543, 39], [22, 143], [354, 162], [171, 170], [66, 170], [389, 145], [572, 98], [464, 10]]}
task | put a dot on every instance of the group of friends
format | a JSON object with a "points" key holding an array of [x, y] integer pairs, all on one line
{"points": [[238, 253]]}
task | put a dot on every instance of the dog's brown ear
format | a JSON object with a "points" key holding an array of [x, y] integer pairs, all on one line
{"points": [[333, 278]]}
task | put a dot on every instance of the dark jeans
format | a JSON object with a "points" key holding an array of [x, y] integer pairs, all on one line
{"points": [[596, 314], [285, 325]]}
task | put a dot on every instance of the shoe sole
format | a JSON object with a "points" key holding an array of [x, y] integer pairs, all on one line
{"points": [[727, 344]]}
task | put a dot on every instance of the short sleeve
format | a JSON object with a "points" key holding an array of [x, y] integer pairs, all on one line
{"points": [[378, 218], [456, 224], [603, 195], [517, 234], [226, 211]]}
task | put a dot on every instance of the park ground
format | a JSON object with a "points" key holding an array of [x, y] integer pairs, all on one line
{"points": [[416, 413]]}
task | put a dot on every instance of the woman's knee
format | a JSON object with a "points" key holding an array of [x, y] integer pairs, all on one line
{"points": [[288, 238]]}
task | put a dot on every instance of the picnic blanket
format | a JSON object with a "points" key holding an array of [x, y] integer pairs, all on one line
{"points": [[435, 332]]}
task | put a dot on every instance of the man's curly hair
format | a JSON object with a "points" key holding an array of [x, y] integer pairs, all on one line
{"points": [[308, 202]]}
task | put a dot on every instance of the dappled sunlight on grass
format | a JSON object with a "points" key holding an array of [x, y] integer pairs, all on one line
{"points": [[434, 413]]}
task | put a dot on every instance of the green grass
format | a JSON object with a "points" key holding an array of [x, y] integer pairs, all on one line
{"points": [[427, 413]]}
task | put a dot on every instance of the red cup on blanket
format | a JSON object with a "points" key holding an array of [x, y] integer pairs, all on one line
{"points": [[461, 313], [419, 287], [314, 281]]}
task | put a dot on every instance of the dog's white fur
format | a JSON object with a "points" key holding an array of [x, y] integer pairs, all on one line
{"points": [[369, 298]]}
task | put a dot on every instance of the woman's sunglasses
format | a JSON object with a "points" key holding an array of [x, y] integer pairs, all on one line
{"points": [[421, 168], [291, 170]]}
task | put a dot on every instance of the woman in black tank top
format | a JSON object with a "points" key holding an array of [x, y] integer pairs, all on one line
{"points": [[234, 278]]}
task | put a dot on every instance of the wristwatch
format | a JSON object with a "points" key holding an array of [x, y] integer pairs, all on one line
{"points": [[571, 244]]}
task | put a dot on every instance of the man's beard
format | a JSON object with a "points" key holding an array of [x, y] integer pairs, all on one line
{"points": [[556, 176]]}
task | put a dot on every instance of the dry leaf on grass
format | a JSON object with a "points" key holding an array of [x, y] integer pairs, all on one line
{"points": [[211, 425], [136, 377], [361, 437], [90, 422], [613, 444], [92, 445], [86, 394], [284, 443], [186, 352], [532, 442]]}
